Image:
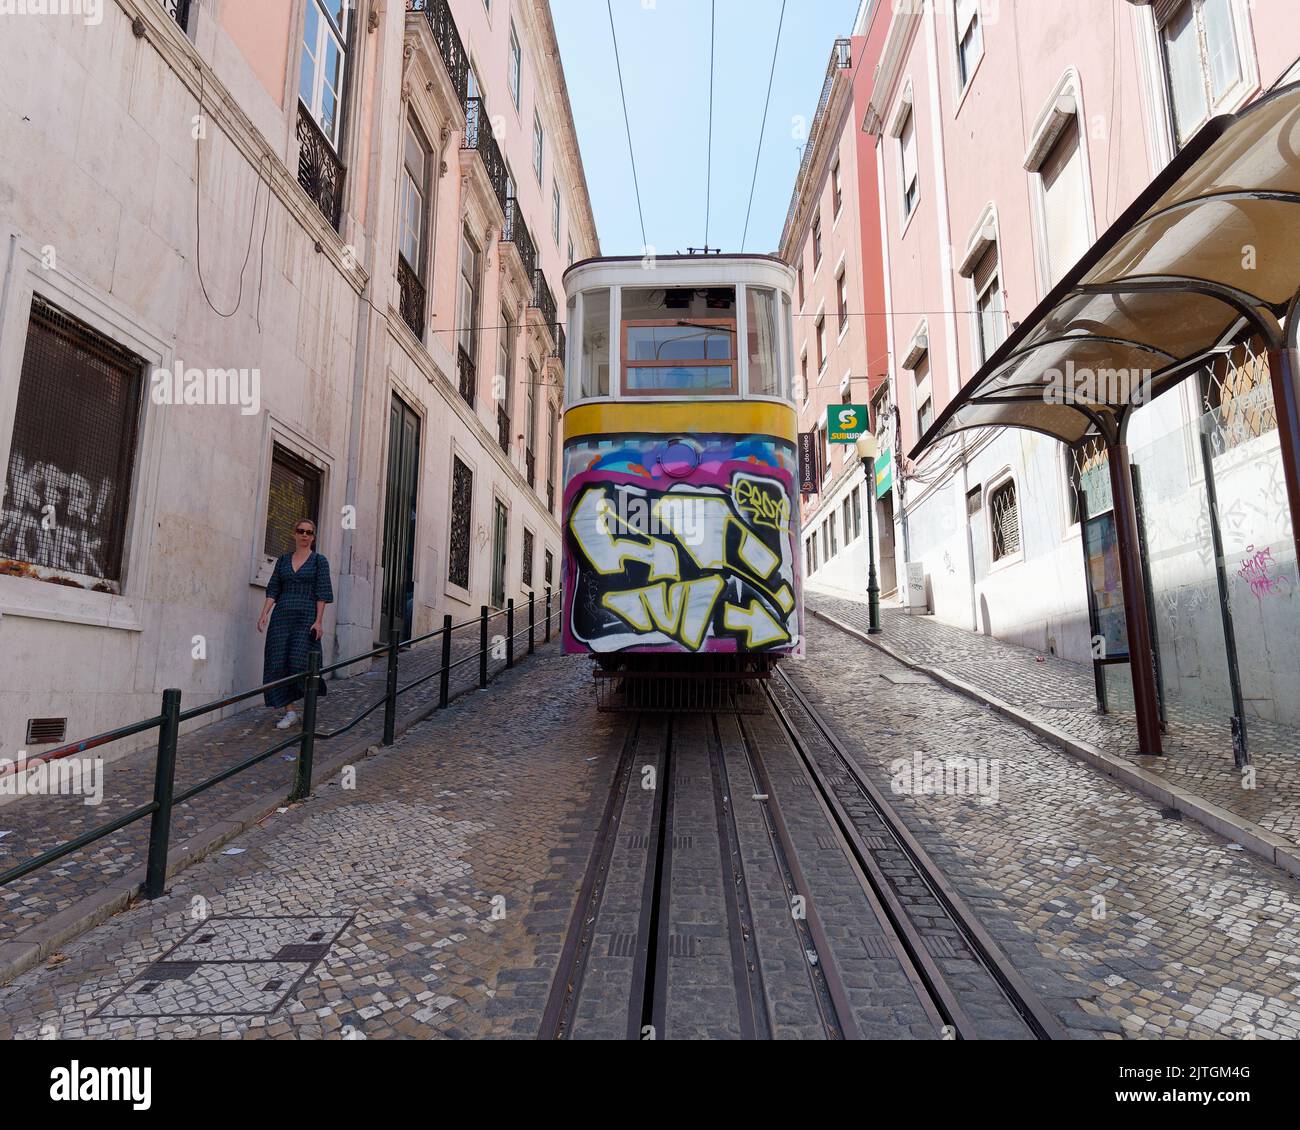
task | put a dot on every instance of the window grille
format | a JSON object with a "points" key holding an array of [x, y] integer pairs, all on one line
{"points": [[462, 507], [294, 493], [1004, 520]]}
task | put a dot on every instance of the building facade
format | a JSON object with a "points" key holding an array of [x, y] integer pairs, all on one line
{"points": [[832, 239], [1008, 138], [267, 262]]}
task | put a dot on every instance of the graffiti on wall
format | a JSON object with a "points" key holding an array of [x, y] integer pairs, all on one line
{"points": [[1257, 571], [682, 550], [54, 519]]}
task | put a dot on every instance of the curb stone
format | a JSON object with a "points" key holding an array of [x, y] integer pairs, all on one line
{"points": [[1258, 840]]}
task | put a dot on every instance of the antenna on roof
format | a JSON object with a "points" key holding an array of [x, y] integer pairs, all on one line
{"points": [[706, 250]]}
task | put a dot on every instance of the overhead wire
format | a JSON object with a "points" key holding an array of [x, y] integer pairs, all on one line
{"points": [[645, 243], [776, 47]]}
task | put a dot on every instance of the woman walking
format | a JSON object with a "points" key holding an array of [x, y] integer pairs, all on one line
{"points": [[296, 597]]}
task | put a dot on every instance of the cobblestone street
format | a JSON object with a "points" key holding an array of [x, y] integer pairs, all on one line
{"points": [[437, 896]]}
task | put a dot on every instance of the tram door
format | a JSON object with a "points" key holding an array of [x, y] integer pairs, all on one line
{"points": [[399, 519]]}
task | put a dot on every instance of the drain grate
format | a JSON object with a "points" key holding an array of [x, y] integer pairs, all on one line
{"points": [[875, 843], [637, 840], [683, 841], [683, 945], [621, 945], [827, 843]]}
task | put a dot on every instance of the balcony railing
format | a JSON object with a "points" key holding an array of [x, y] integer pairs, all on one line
{"points": [[450, 46], [479, 137], [412, 296], [530, 467], [320, 172], [179, 10], [468, 376], [516, 232], [559, 343], [543, 299], [550, 496], [503, 428]]}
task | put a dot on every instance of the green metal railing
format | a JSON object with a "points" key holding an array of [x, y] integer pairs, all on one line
{"points": [[171, 717]]}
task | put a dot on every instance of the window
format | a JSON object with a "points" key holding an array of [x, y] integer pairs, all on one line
{"points": [[500, 531], [530, 423], [467, 310], [830, 525], [539, 146], [72, 455], [679, 340], [515, 65], [323, 63], [923, 399], [970, 39], [817, 240], [1202, 59], [462, 516], [552, 431], [907, 163], [555, 211], [857, 509], [990, 310], [801, 299], [526, 563], [803, 374], [570, 251], [807, 555], [594, 377], [1065, 220], [760, 314], [823, 453], [415, 181], [848, 521], [842, 300], [837, 189], [1004, 520], [821, 343], [293, 493], [812, 552], [550, 567], [506, 340]]}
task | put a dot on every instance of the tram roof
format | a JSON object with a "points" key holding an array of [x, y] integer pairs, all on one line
{"points": [[614, 260], [1168, 287]]}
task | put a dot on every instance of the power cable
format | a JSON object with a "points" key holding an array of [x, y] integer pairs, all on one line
{"points": [[627, 124], [763, 128]]}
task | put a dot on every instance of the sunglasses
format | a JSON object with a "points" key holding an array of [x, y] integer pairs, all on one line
{"points": [[303, 530]]}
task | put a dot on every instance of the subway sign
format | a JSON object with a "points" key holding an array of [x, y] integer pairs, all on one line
{"points": [[845, 422]]}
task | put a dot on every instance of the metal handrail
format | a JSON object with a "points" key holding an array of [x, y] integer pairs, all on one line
{"points": [[169, 720]]}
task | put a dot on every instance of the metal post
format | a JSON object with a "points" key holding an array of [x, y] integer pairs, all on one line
{"points": [[444, 677], [482, 646], [510, 632], [532, 621], [1286, 403], [547, 638], [307, 742], [1240, 746], [164, 782], [1141, 662], [1149, 595], [390, 692], [873, 584]]}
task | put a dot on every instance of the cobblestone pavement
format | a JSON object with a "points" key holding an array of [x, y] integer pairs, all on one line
{"points": [[1198, 745], [1129, 923], [430, 900], [30, 825]]}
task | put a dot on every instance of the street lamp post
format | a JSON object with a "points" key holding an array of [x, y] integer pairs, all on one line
{"points": [[866, 445]]}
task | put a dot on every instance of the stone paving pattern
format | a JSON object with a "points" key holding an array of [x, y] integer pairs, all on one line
{"points": [[37, 823], [1197, 746], [1126, 923]]}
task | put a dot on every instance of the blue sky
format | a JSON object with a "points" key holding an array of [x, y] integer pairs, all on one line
{"points": [[664, 48]]}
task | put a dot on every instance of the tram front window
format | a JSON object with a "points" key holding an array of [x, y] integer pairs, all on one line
{"points": [[679, 340]]}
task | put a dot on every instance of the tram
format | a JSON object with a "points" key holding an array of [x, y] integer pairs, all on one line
{"points": [[680, 562]]}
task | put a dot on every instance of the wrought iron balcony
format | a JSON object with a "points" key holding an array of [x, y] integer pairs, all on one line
{"points": [[516, 232], [479, 137], [412, 296], [503, 428], [320, 171], [550, 496], [179, 10], [543, 299], [468, 376], [558, 351], [450, 46], [530, 467]]}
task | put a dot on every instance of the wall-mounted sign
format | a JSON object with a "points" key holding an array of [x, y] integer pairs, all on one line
{"points": [[884, 472], [845, 422], [808, 483]]}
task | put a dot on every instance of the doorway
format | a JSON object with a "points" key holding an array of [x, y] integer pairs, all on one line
{"points": [[398, 602]]}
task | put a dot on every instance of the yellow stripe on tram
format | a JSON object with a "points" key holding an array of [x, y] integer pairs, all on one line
{"points": [[750, 417]]}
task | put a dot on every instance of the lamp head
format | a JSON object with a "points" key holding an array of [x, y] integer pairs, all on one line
{"points": [[866, 445]]}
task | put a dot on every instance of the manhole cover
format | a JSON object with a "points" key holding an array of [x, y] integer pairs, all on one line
{"points": [[229, 967]]}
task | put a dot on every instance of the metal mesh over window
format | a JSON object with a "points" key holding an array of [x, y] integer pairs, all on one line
{"points": [[526, 566], [462, 506], [294, 493], [76, 422], [1238, 397], [1004, 519]]}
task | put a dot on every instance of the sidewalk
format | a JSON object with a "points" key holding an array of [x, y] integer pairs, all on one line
{"points": [[48, 906], [1196, 775]]}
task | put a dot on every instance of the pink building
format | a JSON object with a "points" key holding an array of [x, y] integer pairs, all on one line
{"points": [[1010, 136]]}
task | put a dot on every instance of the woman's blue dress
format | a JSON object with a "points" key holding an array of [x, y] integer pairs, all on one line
{"points": [[288, 636]]}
